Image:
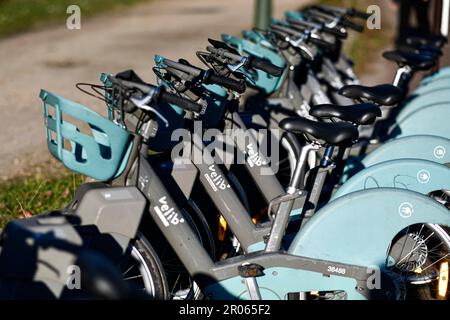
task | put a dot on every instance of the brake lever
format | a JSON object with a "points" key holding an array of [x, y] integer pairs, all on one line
{"points": [[236, 67], [300, 44], [296, 43], [144, 105], [142, 102], [308, 51], [333, 23]]}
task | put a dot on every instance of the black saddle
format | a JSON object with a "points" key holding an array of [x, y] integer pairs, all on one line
{"points": [[338, 134], [385, 94], [431, 41], [431, 52], [361, 114], [415, 61]]}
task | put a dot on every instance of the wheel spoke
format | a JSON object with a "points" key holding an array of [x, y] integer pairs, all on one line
{"points": [[413, 250], [128, 270], [134, 277], [176, 282], [448, 254]]}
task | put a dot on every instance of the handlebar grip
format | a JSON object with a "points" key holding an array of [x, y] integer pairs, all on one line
{"points": [[352, 25], [358, 14], [322, 43], [335, 32], [266, 66], [228, 83], [183, 103]]}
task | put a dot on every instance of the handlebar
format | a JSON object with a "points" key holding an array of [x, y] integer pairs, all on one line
{"points": [[312, 38], [340, 33], [352, 25], [208, 76], [305, 25], [229, 83], [321, 43], [340, 20], [358, 14], [194, 71], [321, 14], [226, 54], [351, 12], [181, 102], [249, 62], [286, 30], [266, 66], [157, 93]]}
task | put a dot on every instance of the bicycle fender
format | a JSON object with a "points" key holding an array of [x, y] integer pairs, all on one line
{"points": [[424, 147], [439, 84], [430, 120], [358, 228], [444, 72], [415, 103], [411, 174]]}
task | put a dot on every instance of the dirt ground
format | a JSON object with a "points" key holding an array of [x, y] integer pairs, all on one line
{"points": [[57, 58]]}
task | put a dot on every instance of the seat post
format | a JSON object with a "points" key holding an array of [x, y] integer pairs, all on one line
{"points": [[281, 221], [298, 179], [326, 160], [403, 77]]}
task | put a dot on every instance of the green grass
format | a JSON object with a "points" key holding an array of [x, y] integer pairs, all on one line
{"points": [[22, 15], [365, 47], [25, 196]]}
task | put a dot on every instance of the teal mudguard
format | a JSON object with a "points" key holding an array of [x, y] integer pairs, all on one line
{"points": [[431, 148], [430, 120], [442, 83], [443, 73], [416, 103], [358, 228], [416, 175]]}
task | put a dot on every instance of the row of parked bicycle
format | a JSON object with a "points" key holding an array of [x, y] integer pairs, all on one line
{"points": [[350, 201]]}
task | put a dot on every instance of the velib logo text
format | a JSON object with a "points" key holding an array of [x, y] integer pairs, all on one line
{"points": [[253, 157], [216, 180], [167, 214]]}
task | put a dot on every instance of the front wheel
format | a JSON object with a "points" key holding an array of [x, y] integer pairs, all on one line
{"points": [[144, 271]]}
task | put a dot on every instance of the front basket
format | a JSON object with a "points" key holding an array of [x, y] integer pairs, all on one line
{"points": [[100, 152]]}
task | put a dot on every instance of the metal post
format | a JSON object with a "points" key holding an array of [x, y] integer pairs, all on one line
{"points": [[441, 20], [263, 13], [437, 17]]}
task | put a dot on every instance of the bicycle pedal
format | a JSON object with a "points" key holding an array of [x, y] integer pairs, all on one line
{"points": [[249, 272]]}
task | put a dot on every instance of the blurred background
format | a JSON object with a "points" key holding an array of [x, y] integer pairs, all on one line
{"points": [[37, 51]]}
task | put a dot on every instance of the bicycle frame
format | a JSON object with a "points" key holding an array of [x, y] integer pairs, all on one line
{"points": [[189, 249], [222, 279]]}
